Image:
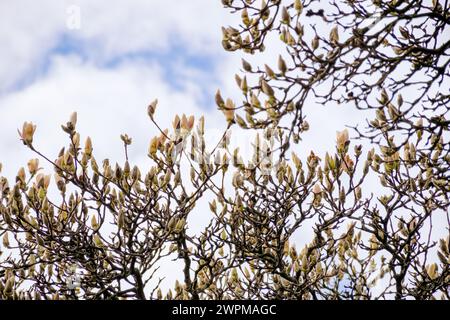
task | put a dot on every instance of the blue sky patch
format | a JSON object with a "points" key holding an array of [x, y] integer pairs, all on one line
{"points": [[171, 60]]}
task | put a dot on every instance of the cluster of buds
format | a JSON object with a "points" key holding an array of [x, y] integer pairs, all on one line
{"points": [[183, 125], [176, 225], [42, 181]]}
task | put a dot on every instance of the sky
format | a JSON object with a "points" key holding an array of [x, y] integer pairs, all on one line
{"points": [[108, 60], [107, 67]]}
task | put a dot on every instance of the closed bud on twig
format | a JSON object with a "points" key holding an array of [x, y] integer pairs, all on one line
{"points": [[381, 116], [244, 85], [285, 18], [334, 35], [298, 5], [269, 71], [180, 225], [76, 140], [282, 65], [358, 193], [347, 164], [135, 173], [88, 146], [217, 158], [229, 110], [152, 108], [94, 223], [171, 224], [219, 100], [241, 122], [384, 98], [5, 239], [254, 101], [9, 285], [317, 189], [201, 125], [176, 122], [246, 65], [42, 181], [342, 195], [399, 100], [159, 294], [404, 32], [60, 182], [21, 175], [238, 181], [296, 160], [213, 206], [342, 140], [27, 133], [167, 177], [383, 181], [432, 271], [393, 112], [266, 88], [153, 148], [184, 122], [244, 16], [187, 123], [98, 241], [419, 128], [73, 119], [39, 240], [315, 43]]}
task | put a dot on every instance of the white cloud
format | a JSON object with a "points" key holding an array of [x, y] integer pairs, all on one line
{"points": [[31, 29], [26, 32], [108, 101]]}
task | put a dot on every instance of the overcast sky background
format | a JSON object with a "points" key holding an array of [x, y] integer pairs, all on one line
{"points": [[123, 55]]}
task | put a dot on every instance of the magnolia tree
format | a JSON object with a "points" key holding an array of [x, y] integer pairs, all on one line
{"points": [[112, 225]]}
